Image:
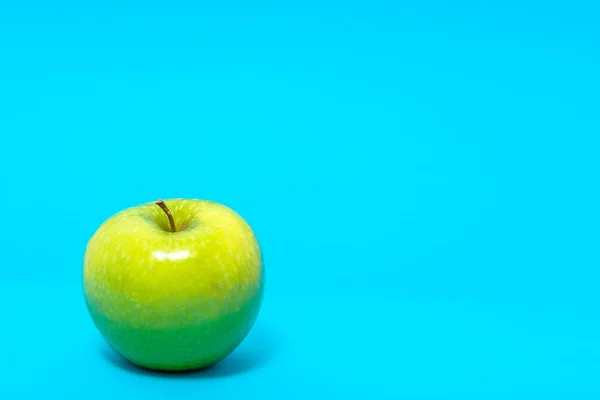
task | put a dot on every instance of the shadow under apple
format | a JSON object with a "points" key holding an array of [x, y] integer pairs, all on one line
{"points": [[259, 347]]}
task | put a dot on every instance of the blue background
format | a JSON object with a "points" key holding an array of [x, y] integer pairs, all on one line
{"points": [[423, 177]]}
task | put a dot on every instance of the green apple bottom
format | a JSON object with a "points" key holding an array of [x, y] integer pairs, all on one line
{"points": [[174, 285]]}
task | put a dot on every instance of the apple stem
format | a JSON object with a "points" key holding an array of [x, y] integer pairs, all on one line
{"points": [[164, 207]]}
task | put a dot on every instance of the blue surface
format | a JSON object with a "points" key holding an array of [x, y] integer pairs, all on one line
{"points": [[423, 177]]}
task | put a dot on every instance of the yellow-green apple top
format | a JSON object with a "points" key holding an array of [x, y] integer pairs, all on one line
{"points": [[174, 285]]}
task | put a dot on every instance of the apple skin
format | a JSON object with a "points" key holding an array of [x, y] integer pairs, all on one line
{"points": [[174, 301]]}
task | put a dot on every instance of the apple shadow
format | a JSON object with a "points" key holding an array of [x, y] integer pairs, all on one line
{"points": [[255, 352]]}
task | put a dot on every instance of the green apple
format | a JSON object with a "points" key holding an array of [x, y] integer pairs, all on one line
{"points": [[174, 285]]}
